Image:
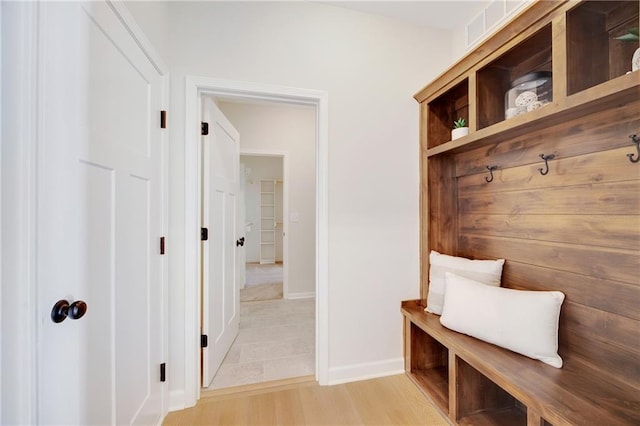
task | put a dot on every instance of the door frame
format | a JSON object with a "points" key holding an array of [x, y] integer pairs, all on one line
{"points": [[18, 202], [195, 87], [285, 207]]}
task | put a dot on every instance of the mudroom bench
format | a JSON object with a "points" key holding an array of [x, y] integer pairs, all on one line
{"points": [[553, 188], [476, 383]]}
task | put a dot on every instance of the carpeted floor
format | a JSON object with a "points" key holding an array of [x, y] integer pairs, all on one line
{"points": [[262, 282]]}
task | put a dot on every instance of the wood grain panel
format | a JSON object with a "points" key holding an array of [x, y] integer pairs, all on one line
{"points": [[612, 361], [596, 230], [438, 232], [442, 207], [606, 295], [620, 198], [601, 167], [598, 326], [586, 28], [559, 56], [609, 264], [424, 206], [605, 130]]}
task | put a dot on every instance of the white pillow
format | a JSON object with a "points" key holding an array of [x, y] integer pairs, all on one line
{"points": [[523, 321], [485, 271]]}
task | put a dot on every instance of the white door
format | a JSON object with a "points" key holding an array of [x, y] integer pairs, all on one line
{"points": [[221, 296], [99, 219]]}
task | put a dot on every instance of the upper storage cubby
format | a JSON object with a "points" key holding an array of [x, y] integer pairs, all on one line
{"points": [[555, 60], [444, 110], [525, 63], [594, 54]]}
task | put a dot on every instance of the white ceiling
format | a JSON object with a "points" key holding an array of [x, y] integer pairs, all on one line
{"points": [[443, 14]]}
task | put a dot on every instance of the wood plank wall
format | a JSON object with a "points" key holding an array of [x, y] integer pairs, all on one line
{"points": [[576, 230]]}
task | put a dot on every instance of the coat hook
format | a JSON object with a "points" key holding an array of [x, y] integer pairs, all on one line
{"points": [[491, 169], [546, 164], [636, 141]]}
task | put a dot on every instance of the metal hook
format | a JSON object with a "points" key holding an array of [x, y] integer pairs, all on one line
{"points": [[546, 164], [491, 169], [636, 141]]}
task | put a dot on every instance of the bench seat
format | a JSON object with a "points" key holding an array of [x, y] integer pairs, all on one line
{"points": [[453, 372]]}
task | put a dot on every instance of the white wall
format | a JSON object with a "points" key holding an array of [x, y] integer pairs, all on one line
{"points": [[291, 129], [370, 66], [262, 168]]}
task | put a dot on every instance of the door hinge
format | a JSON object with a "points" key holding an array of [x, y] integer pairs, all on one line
{"points": [[163, 372], [204, 341], [204, 128], [163, 119], [161, 245], [204, 234]]}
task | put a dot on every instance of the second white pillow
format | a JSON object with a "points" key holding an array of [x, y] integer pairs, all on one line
{"points": [[488, 272]]}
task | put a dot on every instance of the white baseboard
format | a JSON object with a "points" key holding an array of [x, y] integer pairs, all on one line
{"points": [[365, 371], [176, 400], [302, 295]]}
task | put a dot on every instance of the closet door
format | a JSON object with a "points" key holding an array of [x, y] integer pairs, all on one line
{"points": [[99, 221]]}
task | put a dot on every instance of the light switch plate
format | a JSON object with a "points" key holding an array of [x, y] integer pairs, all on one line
{"points": [[294, 217]]}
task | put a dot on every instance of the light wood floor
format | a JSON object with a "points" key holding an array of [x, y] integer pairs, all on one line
{"points": [[390, 400]]}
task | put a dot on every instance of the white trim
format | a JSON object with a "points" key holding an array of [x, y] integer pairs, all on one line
{"points": [[177, 400], [138, 36], [194, 87], [1, 351], [192, 250], [165, 233], [365, 371], [285, 206], [300, 295]]}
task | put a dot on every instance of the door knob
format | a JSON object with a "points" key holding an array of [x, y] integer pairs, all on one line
{"points": [[240, 242], [77, 310], [61, 310]]}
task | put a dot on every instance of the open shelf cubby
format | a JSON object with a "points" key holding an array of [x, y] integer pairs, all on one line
{"points": [[494, 80], [480, 401], [430, 366], [594, 55], [444, 110]]}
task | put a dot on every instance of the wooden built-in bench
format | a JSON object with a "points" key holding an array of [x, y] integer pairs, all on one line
{"points": [[476, 383], [574, 229]]}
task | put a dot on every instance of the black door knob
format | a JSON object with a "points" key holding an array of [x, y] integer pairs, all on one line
{"points": [[77, 310], [240, 242], [61, 310]]}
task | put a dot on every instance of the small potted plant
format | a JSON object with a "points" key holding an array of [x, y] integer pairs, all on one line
{"points": [[632, 36], [460, 129]]}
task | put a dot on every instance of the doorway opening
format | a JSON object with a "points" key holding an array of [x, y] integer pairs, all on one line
{"points": [[262, 196], [196, 87], [276, 338]]}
